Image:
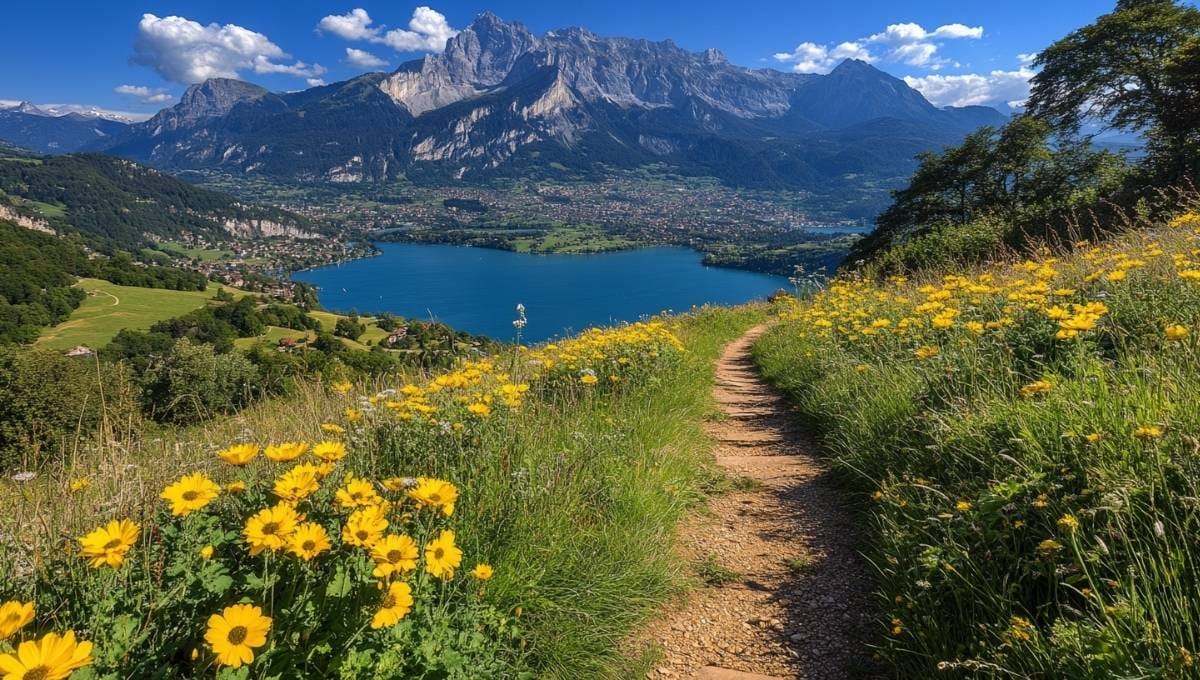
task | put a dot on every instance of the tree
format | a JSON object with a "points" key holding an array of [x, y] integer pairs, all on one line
{"points": [[48, 400], [193, 382], [1181, 74], [348, 327], [1116, 71], [1021, 174], [387, 322]]}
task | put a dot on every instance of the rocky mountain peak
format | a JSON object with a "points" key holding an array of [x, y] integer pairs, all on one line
{"points": [[714, 57], [484, 52], [217, 96], [29, 108], [851, 67], [212, 98]]}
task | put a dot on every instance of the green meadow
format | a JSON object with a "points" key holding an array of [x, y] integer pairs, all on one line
{"points": [[110, 308]]}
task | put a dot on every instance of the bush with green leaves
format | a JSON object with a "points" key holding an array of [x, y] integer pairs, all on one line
{"points": [[193, 382]]}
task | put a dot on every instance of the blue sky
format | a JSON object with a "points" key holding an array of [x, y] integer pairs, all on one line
{"points": [[139, 56]]}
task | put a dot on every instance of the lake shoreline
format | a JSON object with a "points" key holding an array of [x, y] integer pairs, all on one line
{"points": [[826, 249], [477, 289]]}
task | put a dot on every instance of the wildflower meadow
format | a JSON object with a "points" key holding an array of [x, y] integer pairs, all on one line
{"points": [[1024, 441], [416, 530]]}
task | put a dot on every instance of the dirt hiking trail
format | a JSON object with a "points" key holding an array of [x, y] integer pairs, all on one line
{"points": [[786, 589]]}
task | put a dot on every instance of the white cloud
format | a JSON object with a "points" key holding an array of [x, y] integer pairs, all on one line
{"points": [[905, 43], [315, 82], [813, 58], [185, 51], [975, 89], [1027, 59], [144, 94], [427, 30], [363, 58], [356, 25]]}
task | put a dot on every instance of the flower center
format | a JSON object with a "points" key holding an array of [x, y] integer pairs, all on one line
{"points": [[438, 553], [389, 602], [113, 544], [309, 545], [395, 556], [237, 635], [190, 495], [37, 673], [363, 534], [270, 528]]}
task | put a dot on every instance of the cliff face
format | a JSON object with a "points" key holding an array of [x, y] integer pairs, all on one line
{"points": [[27, 221]]}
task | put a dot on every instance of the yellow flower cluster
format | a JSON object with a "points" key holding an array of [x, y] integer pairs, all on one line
{"points": [[480, 389], [956, 308]]}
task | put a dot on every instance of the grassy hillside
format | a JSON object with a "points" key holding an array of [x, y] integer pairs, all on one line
{"points": [[569, 488], [109, 308], [1024, 438]]}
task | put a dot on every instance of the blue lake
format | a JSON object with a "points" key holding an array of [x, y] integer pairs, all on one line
{"points": [[477, 289]]}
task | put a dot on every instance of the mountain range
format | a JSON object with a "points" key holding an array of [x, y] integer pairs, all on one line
{"points": [[501, 101], [52, 130]]}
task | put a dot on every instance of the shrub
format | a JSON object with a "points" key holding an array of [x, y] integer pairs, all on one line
{"points": [[48, 400], [348, 327], [193, 382]]}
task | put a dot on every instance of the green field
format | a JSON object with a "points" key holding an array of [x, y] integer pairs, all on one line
{"points": [[110, 308], [273, 335], [374, 334], [203, 254]]}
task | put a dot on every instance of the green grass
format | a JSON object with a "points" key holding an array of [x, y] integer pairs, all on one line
{"points": [[272, 336], [373, 335], [713, 573], [575, 499], [203, 254], [799, 566], [48, 209], [110, 308]]}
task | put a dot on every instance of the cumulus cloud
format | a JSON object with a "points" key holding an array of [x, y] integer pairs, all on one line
{"points": [[904, 43], [185, 51], [356, 25], [144, 94], [427, 30], [363, 58], [813, 58], [975, 89]]}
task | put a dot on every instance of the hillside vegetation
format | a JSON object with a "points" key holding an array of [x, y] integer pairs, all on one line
{"points": [[1041, 177], [1007, 377], [115, 203], [1026, 435], [565, 467]]}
